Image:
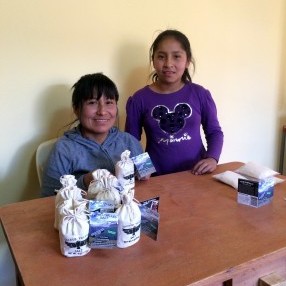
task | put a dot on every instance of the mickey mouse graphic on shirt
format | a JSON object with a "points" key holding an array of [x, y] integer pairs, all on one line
{"points": [[171, 121]]}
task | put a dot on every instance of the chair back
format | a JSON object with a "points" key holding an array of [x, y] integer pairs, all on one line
{"points": [[42, 154]]}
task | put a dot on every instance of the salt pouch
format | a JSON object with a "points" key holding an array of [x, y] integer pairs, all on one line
{"points": [[73, 232], [277, 180], [256, 171], [129, 221], [229, 178], [96, 184], [102, 179], [69, 190], [125, 172], [109, 192], [99, 173], [94, 188], [69, 204], [66, 204]]}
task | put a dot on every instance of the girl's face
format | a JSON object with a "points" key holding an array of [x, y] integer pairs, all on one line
{"points": [[170, 61], [97, 117]]}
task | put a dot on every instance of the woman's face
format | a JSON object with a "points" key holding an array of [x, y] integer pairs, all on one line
{"points": [[97, 117]]}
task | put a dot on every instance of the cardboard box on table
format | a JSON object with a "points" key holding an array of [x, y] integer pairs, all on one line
{"points": [[254, 192]]}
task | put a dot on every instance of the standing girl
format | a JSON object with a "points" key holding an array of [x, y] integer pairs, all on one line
{"points": [[172, 110]]}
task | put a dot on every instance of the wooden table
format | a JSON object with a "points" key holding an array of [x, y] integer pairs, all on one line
{"points": [[205, 238]]}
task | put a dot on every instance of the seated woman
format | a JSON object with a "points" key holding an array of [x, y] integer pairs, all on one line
{"points": [[94, 143]]}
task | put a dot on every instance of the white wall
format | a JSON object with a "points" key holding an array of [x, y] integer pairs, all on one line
{"points": [[239, 47]]}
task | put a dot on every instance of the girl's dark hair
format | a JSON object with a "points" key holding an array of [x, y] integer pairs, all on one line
{"points": [[183, 40], [93, 86]]}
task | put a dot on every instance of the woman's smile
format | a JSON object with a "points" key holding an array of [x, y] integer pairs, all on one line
{"points": [[98, 117]]}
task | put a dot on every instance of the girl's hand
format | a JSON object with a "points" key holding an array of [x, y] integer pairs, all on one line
{"points": [[145, 178], [204, 166]]}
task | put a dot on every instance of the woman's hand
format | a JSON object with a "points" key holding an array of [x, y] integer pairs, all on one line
{"points": [[145, 178], [204, 166], [87, 178]]}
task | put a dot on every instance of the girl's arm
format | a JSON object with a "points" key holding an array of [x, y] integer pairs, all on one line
{"points": [[133, 123]]}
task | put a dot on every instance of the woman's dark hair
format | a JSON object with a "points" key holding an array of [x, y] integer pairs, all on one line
{"points": [[93, 86], [183, 40]]}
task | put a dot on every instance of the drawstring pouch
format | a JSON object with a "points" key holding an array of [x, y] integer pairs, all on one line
{"points": [[109, 192], [124, 171], [69, 190], [129, 221], [96, 184], [73, 232]]}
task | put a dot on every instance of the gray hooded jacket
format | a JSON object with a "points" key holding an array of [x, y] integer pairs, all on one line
{"points": [[75, 155]]}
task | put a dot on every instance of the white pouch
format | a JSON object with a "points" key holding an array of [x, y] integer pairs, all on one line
{"points": [[256, 171], [99, 173], [109, 192], [277, 180], [68, 191], [73, 232], [129, 221], [94, 188], [229, 178], [68, 204], [96, 184], [125, 172]]}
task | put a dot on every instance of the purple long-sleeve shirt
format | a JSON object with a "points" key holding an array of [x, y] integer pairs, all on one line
{"points": [[172, 123]]}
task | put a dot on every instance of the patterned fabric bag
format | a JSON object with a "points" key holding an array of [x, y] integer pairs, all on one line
{"points": [[129, 221]]}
